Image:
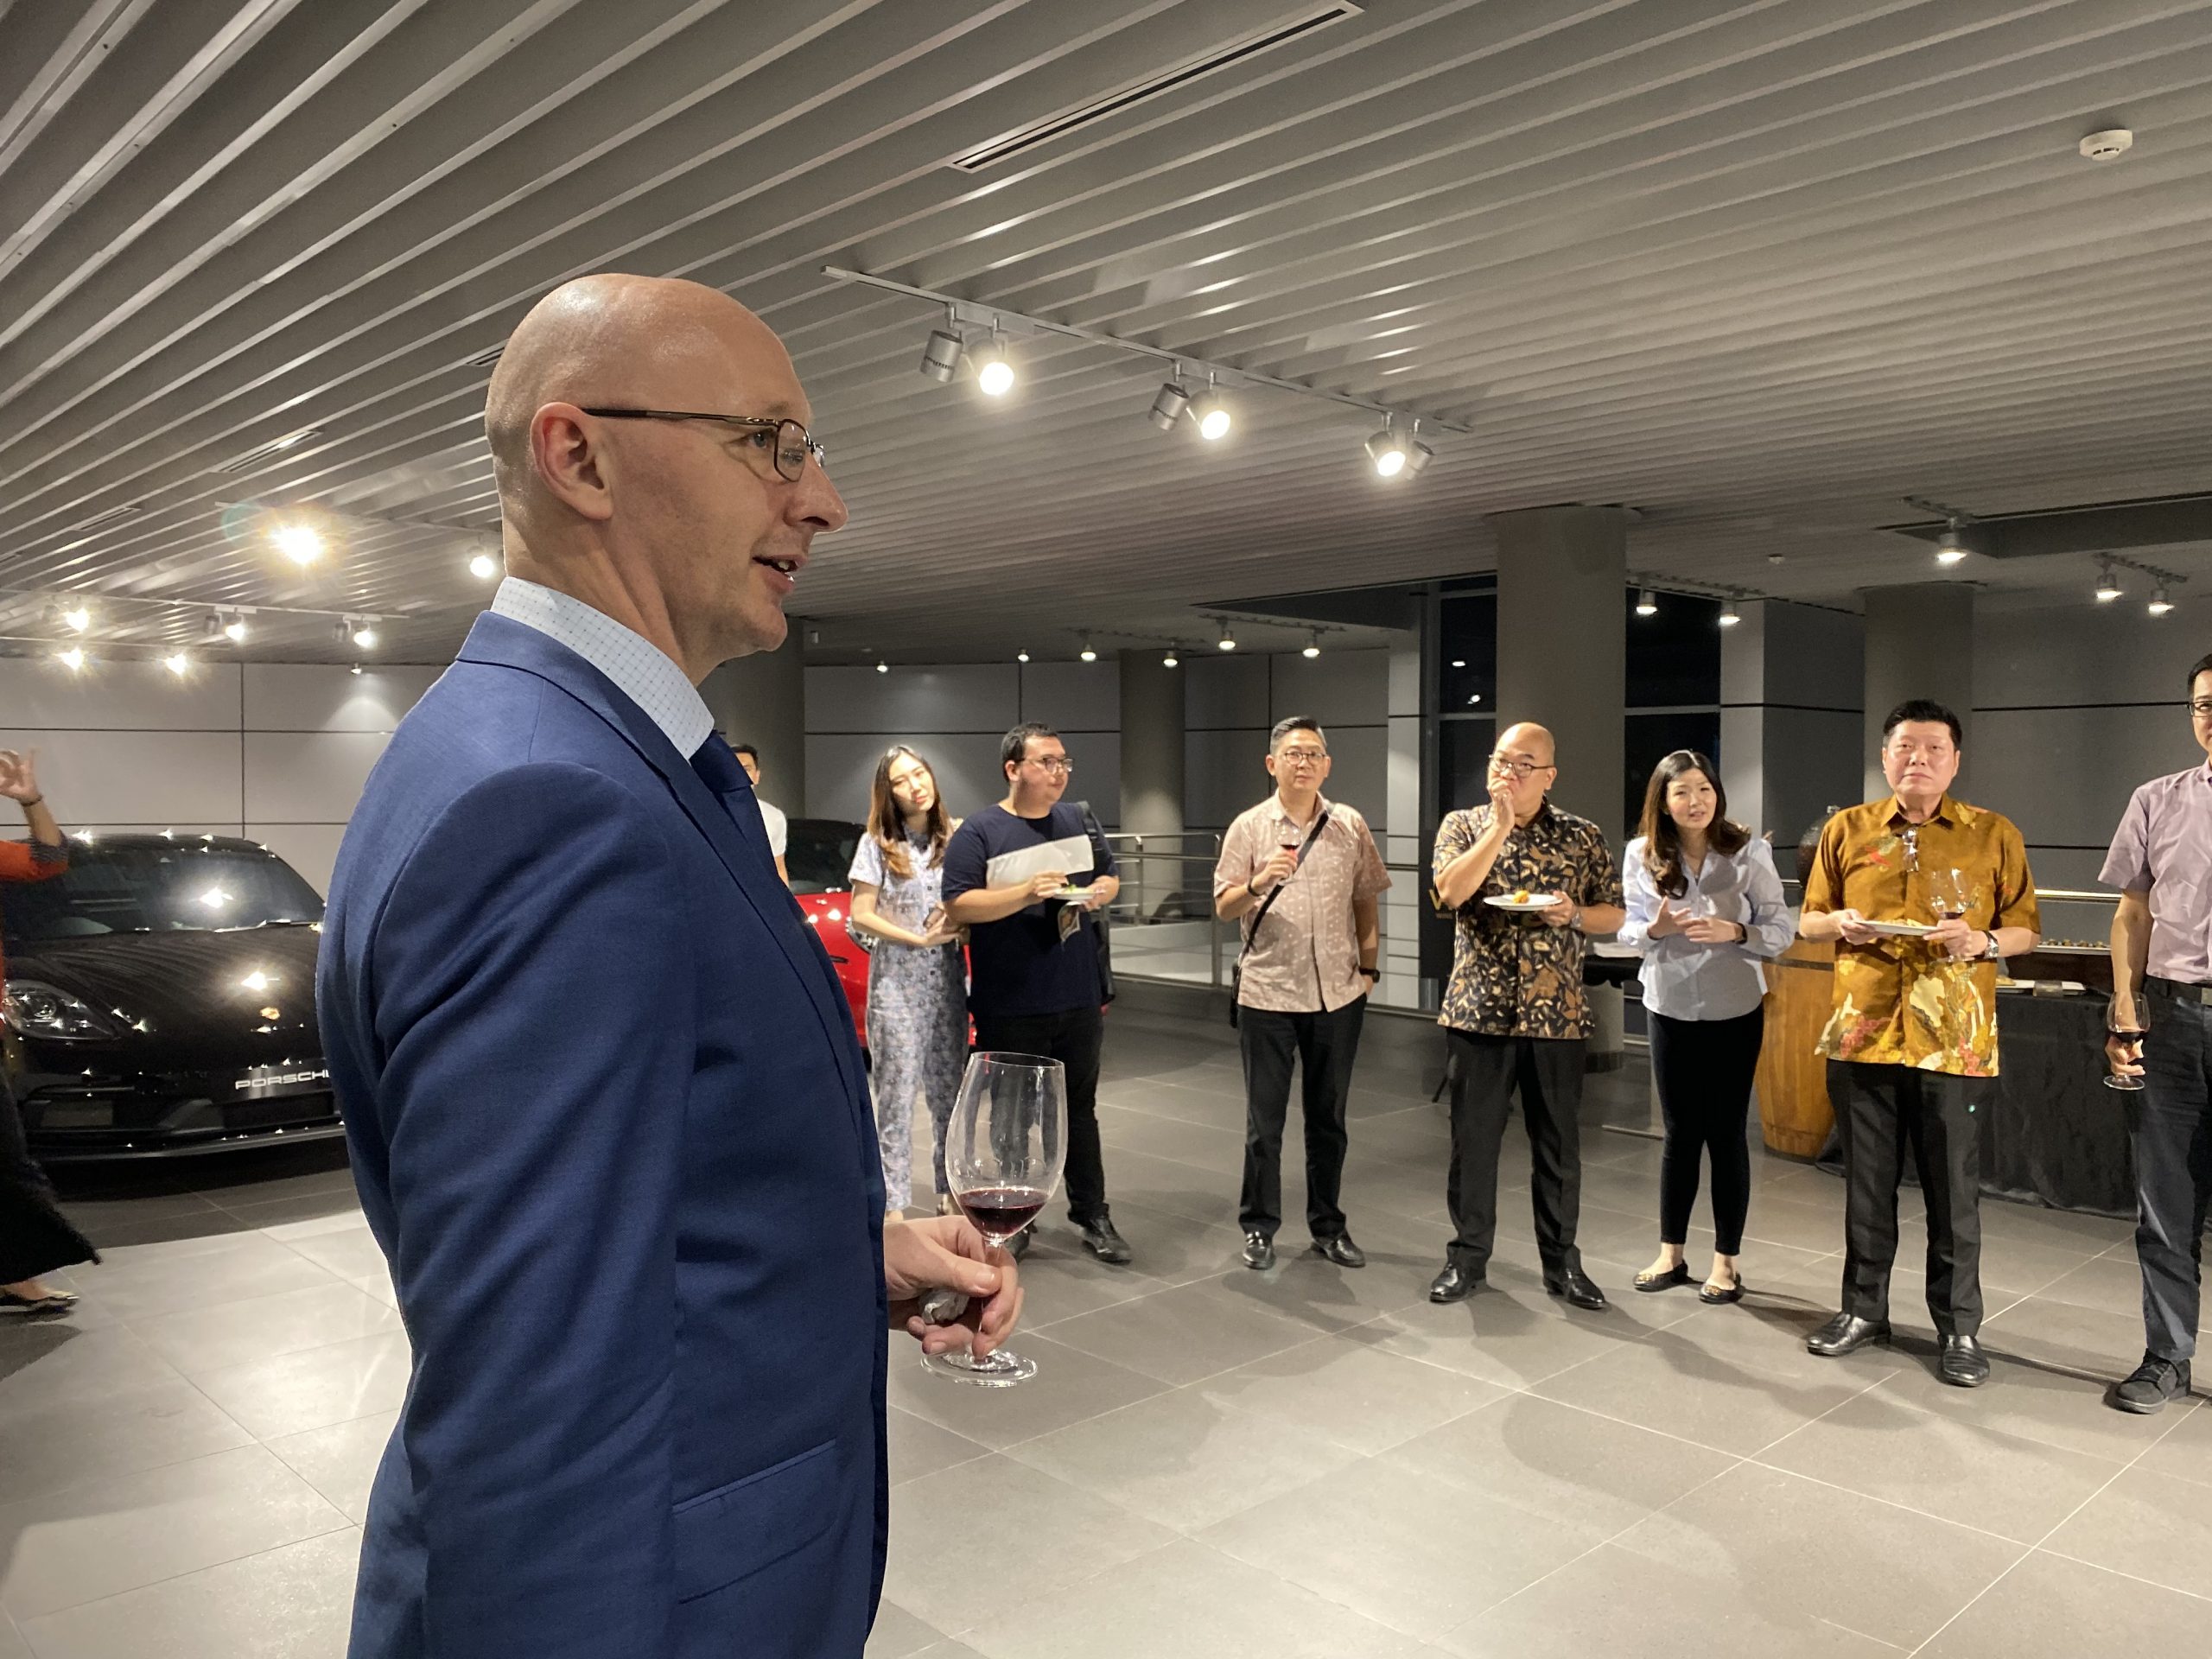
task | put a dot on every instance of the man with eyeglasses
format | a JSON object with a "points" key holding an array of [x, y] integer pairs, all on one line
{"points": [[1515, 1011], [1305, 869], [2161, 861], [1024, 877], [602, 1098], [1922, 896]]}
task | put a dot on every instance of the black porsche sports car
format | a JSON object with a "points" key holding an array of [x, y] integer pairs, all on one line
{"points": [[160, 1001]]}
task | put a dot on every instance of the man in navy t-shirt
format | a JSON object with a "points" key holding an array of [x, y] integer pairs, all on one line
{"points": [[1033, 982]]}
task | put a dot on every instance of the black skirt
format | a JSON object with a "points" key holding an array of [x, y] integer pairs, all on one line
{"points": [[35, 1236]]}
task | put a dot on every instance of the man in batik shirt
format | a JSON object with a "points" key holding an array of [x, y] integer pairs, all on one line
{"points": [[1515, 1012], [1924, 896]]}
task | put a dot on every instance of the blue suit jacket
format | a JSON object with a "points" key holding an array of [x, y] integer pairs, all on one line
{"points": [[610, 1126]]}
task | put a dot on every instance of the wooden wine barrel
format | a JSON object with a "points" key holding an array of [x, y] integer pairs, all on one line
{"points": [[1795, 1115]]}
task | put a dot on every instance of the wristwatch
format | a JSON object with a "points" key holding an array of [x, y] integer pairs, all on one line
{"points": [[1991, 953], [1374, 974]]}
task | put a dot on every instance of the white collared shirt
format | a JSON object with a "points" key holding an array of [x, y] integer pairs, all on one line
{"points": [[644, 673], [1686, 980]]}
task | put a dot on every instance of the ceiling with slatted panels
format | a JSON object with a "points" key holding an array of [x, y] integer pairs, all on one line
{"points": [[1757, 270]]}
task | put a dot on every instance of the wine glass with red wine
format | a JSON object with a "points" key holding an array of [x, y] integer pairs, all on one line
{"points": [[1003, 1149]]}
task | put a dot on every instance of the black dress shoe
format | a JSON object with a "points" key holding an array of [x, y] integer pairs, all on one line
{"points": [[1454, 1284], [1341, 1250], [1847, 1333], [2150, 1385], [1259, 1252], [1963, 1365], [1573, 1286], [1102, 1241]]}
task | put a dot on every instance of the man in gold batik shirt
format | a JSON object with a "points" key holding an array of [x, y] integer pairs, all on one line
{"points": [[1911, 1045]]}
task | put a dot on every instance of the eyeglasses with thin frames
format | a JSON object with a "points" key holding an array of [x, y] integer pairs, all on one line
{"points": [[2201, 707], [1303, 757], [793, 443], [1518, 768], [1052, 766]]}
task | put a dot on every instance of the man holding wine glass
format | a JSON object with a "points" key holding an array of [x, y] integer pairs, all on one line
{"points": [[1911, 1044], [1305, 871], [2160, 1048]]}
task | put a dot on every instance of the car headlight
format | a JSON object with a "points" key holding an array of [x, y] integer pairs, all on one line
{"points": [[34, 1009]]}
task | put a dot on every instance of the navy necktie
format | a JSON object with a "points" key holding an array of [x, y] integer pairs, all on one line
{"points": [[718, 768]]}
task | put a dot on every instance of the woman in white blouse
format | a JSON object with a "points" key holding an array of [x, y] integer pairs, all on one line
{"points": [[1704, 904]]}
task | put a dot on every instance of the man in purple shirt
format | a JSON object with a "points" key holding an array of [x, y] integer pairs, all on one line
{"points": [[2161, 860]]}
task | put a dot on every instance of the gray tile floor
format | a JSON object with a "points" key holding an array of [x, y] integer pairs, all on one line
{"points": [[1305, 1462]]}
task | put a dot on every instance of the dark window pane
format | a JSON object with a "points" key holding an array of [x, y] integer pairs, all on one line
{"points": [[1674, 658], [1467, 635]]}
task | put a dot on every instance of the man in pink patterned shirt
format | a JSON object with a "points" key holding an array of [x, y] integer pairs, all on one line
{"points": [[1302, 874]]}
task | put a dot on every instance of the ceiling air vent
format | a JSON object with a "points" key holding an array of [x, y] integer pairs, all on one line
{"points": [[254, 457], [485, 360], [1307, 21]]}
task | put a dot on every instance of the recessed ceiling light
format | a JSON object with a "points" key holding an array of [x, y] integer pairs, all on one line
{"points": [[300, 543], [483, 566], [72, 659]]}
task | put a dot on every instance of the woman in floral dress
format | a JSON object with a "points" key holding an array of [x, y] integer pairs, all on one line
{"points": [[917, 992]]}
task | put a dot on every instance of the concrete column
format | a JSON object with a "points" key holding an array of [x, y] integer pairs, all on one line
{"points": [[761, 700], [1562, 646], [1152, 783], [1919, 644]]}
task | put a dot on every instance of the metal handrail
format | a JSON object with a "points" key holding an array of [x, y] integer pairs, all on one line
{"points": [[1134, 849]]}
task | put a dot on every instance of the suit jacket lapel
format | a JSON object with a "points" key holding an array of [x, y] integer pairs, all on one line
{"points": [[502, 641]]}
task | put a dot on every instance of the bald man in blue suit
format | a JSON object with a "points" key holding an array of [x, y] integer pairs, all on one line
{"points": [[607, 1113]]}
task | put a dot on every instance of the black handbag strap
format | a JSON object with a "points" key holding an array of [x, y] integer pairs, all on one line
{"points": [[1275, 891]]}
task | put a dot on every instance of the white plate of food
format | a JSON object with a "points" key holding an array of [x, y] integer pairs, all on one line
{"points": [[1522, 899], [1072, 895], [1900, 930]]}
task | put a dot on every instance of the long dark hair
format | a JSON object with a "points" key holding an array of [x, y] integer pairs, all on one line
{"points": [[1663, 842], [887, 820]]}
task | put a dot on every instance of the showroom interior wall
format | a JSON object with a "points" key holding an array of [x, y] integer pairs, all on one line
{"points": [[276, 751]]}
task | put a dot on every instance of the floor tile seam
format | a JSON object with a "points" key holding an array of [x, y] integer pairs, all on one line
{"points": [[132, 1322], [344, 1524], [158, 1464], [1863, 1636], [2122, 1573], [1680, 1440], [1254, 1413], [201, 1303], [2011, 1567], [1756, 1456], [1909, 1509], [395, 1330]]}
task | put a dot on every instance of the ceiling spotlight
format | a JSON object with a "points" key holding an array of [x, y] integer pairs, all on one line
{"points": [[355, 670], [77, 618], [1211, 413], [72, 659], [2159, 604], [177, 664], [1168, 407], [1314, 646], [1171, 660], [1388, 451], [1729, 618], [1228, 640], [365, 636], [1087, 653], [2108, 588], [300, 543], [1020, 655], [214, 631], [883, 668], [1950, 548], [483, 566], [942, 353], [1418, 455], [235, 630], [994, 369], [1647, 603]]}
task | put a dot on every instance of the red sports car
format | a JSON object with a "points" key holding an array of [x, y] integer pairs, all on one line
{"points": [[819, 855]]}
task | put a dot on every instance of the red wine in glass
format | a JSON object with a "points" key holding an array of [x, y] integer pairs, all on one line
{"points": [[1000, 1213], [1003, 1147]]}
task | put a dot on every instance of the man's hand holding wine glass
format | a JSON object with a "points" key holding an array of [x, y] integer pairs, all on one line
{"points": [[947, 1253]]}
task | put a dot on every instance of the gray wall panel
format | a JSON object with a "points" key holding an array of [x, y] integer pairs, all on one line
{"points": [[155, 777], [1338, 688], [307, 777], [143, 697], [1072, 696], [1225, 690], [2085, 653], [2064, 775], [960, 697], [308, 697]]}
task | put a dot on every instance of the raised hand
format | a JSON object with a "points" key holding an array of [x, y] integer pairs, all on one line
{"points": [[19, 775]]}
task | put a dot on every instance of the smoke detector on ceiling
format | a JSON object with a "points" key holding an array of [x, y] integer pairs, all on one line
{"points": [[2109, 145]]}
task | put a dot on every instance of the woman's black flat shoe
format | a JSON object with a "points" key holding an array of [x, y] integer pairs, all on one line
{"points": [[1677, 1275], [1713, 1298]]}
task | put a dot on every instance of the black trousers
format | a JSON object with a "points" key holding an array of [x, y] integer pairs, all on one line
{"points": [[1074, 1039], [1704, 1069], [1879, 1110], [1486, 1072], [2170, 1128], [1324, 1044], [34, 1238]]}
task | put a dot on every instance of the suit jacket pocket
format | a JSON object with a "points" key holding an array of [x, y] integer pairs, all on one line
{"points": [[735, 1530]]}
